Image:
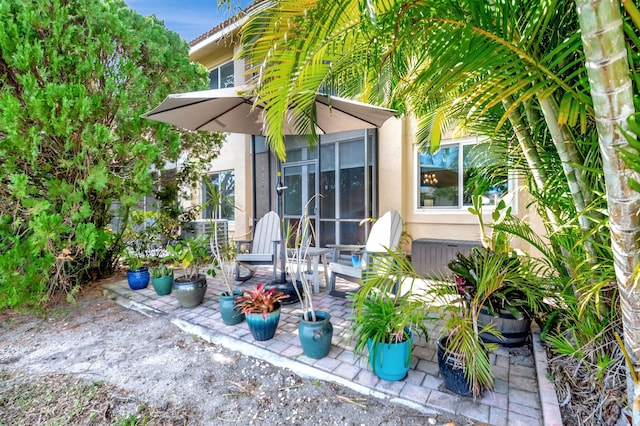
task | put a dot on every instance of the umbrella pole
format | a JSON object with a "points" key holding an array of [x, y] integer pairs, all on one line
{"points": [[283, 285], [280, 191]]}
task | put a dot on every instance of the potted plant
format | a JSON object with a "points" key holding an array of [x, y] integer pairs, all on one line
{"points": [[224, 255], [518, 294], [385, 322], [463, 357], [261, 307], [315, 330], [137, 272], [190, 255], [511, 304], [161, 279]]}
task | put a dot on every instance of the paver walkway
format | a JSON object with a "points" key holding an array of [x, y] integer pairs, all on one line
{"points": [[515, 400]]}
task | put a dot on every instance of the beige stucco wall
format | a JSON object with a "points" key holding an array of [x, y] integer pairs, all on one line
{"points": [[235, 156], [397, 173], [398, 188]]}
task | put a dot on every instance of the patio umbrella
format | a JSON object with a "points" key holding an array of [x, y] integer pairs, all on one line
{"points": [[235, 110]]}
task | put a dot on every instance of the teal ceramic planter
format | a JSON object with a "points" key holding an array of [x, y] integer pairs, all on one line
{"points": [[162, 285], [315, 336], [190, 293], [390, 361], [231, 314], [263, 327]]}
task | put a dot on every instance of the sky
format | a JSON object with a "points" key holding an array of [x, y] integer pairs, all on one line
{"points": [[189, 18]]}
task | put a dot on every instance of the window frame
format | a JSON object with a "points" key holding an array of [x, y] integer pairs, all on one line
{"points": [[219, 69], [509, 195], [203, 196]]}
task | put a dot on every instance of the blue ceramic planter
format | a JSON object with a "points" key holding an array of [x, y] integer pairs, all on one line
{"points": [[315, 336], [390, 361], [138, 278], [263, 328]]}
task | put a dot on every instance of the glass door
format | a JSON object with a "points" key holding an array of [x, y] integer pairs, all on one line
{"points": [[301, 187], [347, 184]]}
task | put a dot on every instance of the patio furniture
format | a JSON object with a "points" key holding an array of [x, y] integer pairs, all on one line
{"points": [[312, 257], [264, 247], [385, 234], [305, 258]]}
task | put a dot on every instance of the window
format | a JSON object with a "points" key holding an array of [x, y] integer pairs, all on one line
{"points": [[222, 76], [449, 177], [218, 196]]}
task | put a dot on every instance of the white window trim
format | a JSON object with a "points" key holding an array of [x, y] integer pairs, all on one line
{"points": [[218, 67], [203, 191], [511, 195]]}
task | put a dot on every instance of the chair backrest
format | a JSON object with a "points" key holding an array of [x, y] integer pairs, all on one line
{"points": [[267, 231], [385, 233]]}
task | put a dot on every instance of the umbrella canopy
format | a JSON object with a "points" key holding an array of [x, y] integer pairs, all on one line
{"points": [[234, 110]]}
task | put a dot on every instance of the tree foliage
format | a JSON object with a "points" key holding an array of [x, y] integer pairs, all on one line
{"points": [[75, 76], [513, 71]]}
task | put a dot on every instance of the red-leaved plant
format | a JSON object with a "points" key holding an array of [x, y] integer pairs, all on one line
{"points": [[259, 299]]}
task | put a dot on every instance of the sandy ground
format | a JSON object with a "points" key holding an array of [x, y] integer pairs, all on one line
{"points": [[138, 369]]}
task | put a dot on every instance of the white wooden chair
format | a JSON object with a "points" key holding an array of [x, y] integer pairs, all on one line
{"points": [[385, 234], [264, 247]]}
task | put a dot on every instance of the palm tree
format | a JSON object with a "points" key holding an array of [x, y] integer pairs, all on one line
{"points": [[511, 70], [611, 89]]}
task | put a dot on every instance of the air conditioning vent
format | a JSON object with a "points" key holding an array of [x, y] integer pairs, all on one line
{"points": [[199, 227]]}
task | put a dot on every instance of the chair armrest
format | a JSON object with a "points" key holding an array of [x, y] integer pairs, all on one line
{"points": [[337, 248], [239, 244]]}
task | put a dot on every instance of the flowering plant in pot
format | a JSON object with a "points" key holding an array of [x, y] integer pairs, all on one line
{"points": [[261, 307], [518, 293]]}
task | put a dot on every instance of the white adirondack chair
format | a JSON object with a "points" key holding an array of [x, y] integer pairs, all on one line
{"points": [[264, 247], [385, 234]]}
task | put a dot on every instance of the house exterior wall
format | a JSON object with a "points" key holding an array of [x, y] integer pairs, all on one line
{"points": [[397, 172]]}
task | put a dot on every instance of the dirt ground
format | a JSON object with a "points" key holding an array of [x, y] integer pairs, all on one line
{"points": [[95, 362]]}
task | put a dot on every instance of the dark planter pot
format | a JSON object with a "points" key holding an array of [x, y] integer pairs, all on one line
{"points": [[190, 293], [231, 314], [263, 327], [162, 285], [138, 278], [315, 336], [514, 330], [451, 369], [288, 289], [390, 361]]}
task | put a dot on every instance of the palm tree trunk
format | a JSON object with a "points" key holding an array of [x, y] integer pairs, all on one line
{"points": [[608, 70], [526, 144]]}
